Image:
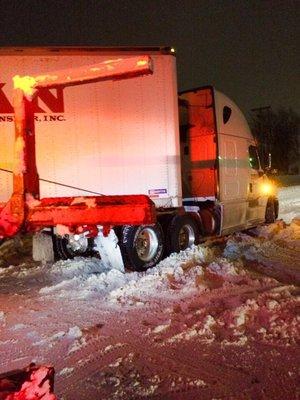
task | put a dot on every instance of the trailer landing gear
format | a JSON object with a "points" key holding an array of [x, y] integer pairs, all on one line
{"points": [[70, 246]]}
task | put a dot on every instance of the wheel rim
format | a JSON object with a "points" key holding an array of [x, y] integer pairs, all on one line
{"points": [[77, 243], [186, 237], [146, 244]]}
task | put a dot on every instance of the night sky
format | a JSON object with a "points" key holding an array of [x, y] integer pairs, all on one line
{"points": [[247, 49]]}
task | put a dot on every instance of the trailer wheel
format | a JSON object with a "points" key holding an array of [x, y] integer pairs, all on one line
{"points": [[70, 246], [270, 215], [182, 233], [141, 246]]}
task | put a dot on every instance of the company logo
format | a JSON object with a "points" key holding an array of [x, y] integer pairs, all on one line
{"points": [[53, 103]]}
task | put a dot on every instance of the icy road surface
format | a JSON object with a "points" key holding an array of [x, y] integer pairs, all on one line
{"points": [[218, 321]]}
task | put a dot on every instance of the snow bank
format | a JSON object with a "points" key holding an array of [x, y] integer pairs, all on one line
{"points": [[267, 240], [82, 279], [280, 231], [194, 270], [270, 316]]}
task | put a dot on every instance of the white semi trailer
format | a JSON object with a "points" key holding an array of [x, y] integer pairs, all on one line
{"points": [[192, 154]]}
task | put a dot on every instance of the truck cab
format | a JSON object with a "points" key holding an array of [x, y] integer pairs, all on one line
{"points": [[221, 170]]}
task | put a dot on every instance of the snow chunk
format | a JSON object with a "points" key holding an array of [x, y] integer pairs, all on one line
{"points": [[2, 317], [77, 345], [58, 335], [161, 328], [241, 341], [240, 316], [66, 371], [222, 268], [18, 327], [272, 304], [31, 201], [78, 267], [89, 202], [117, 363], [74, 332]]}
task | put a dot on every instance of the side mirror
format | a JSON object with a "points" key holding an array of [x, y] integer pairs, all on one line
{"points": [[268, 168]]}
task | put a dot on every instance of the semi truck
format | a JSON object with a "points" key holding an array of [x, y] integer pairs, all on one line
{"points": [[114, 161]]}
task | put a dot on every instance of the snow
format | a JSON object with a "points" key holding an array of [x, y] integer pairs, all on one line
{"points": [[2, 317], [74, 332], [31, 201], [66, 371], [161, 328], [89, 202], [17, 327], [289, 203], [188, 325]]}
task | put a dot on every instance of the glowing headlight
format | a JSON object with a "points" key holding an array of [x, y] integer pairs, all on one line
{"points": [[267, 188]]}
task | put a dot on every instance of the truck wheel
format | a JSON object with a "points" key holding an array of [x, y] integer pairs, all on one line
{"points": [[270, 215], [70, 246], [141, 246], [182, 233]]}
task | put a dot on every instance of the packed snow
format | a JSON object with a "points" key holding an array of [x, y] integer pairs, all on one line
{"points": [[214, 321]]}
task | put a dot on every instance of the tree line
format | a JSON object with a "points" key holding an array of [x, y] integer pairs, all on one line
{"points": [[277, 133]]}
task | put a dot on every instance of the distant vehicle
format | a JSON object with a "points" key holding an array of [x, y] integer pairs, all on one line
{"points": [[193, 156]]}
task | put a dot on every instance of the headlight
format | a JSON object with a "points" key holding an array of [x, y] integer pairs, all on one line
{"points": [[267, 188]]}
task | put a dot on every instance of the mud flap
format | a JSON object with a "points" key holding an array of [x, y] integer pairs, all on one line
{"points": [[109, 250]]}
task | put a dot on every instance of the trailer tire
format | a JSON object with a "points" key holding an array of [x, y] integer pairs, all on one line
{"points": [[141, 246], [183, 231], [270, 215], [65, 250]]}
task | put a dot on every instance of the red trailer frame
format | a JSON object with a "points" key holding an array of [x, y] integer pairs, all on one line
{"points": [[25, 211]]}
